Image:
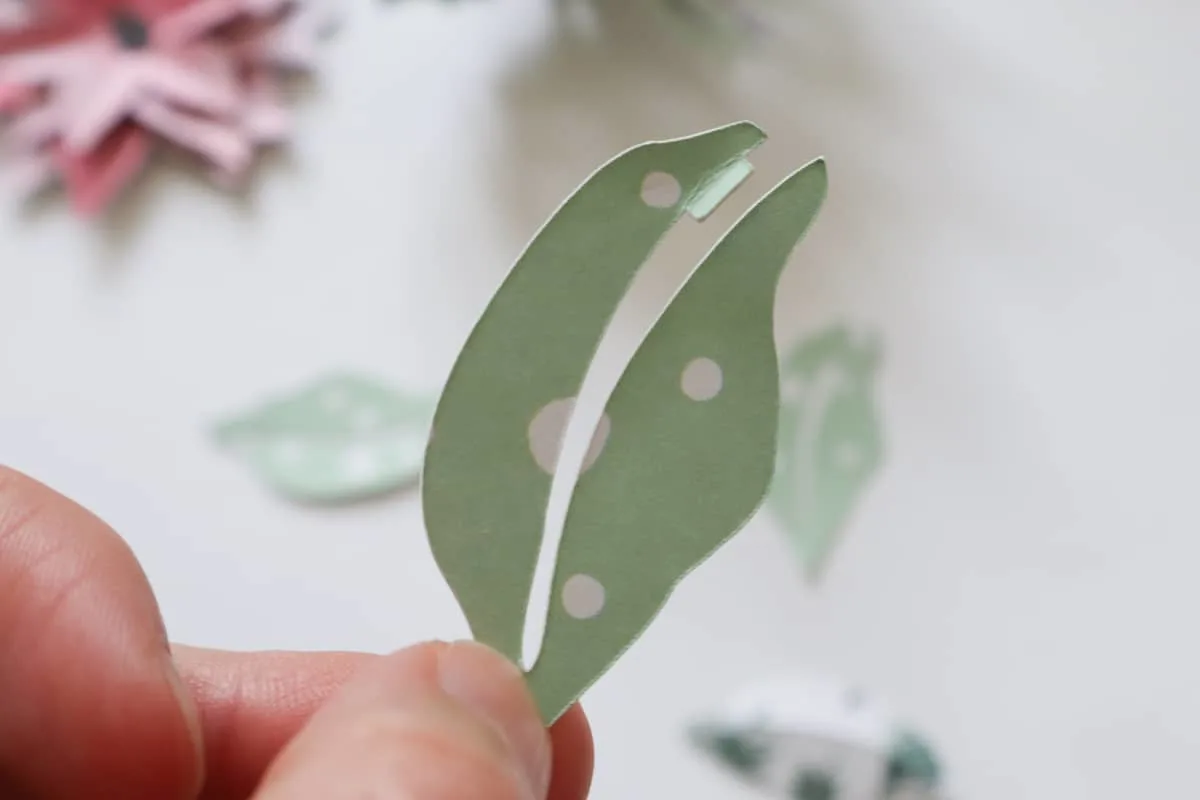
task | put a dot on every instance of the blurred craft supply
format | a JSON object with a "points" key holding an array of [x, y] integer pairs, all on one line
{"points": [[806, 738], [830, 438], [341, 439], [89, 90]]}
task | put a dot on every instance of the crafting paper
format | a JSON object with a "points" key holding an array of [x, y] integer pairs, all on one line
{"points": [[341, 439], [830, 438], [814, 739], [91, 89], [685, 449]]}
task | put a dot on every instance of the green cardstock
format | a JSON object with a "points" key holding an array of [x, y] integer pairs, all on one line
{"points": [[341, 439], [830, 439], [686, 448]]}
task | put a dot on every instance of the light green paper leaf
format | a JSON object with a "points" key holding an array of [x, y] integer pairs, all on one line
{"points": [[830, 439], [689, 451], [484, 497], [693, 419], [341, 439]]}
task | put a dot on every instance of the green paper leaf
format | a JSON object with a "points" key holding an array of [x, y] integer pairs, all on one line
{"points": [[814, 784], [689, 451], [685, 451], [484, 497], [745, 752], [341, 439], [912, 763], [830, 439]]}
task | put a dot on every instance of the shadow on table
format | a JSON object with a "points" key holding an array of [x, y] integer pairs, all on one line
{"points": [[130, 215], [594, 88]]}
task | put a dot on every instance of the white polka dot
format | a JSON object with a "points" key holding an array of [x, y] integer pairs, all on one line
{"points": [[335, 398], [848, 456], [289, 452], [660, 190], [583, 596], [792, 388], [596, 446], [546, 432], [547, 429], [366, 418], [360, 464], [702, 379]]}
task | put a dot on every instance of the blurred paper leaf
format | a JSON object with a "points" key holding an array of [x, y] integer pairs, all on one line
{"points": [[801, 737], [912, 765], [830, 439], [341, 439]]}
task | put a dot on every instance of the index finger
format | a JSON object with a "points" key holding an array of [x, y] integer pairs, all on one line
{"points": [[252, 704]]}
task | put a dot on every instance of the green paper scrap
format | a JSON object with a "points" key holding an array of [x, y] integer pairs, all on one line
{"points": [[685, 450], [830, 436], [709, 196], [341, 439], [912, 764]]}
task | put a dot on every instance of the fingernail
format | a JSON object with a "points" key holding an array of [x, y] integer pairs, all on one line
{"points": [[492, 686]]}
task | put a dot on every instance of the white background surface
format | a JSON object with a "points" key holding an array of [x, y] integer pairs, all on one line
{"points": [[1014, 188]]}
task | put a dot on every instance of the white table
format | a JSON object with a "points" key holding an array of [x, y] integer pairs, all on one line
{"points": [[1014, 195]]}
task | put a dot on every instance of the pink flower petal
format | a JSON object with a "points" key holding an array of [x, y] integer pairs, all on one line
{"points": [[204, 85], [264, 118], [96, 178], [54, 63], [14, 14], [194, 21], [220, 143], [76, 100], [101, 104], [15, 97], [37, 126]]}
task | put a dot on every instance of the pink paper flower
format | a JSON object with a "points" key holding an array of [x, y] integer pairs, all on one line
{"points": [[91, 86]]}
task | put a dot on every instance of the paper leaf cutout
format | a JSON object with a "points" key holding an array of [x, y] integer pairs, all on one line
{"points": [[830, 439], [912, 764], [686, 449], [484, 496], [802, 737], [342, 439], [688, 453]]}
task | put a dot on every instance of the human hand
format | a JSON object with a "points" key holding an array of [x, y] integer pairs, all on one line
{"points": [[94, 703]]}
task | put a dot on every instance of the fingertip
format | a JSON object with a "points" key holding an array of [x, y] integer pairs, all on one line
{"points": [[436, 720], [573, 755], [495, 688]]}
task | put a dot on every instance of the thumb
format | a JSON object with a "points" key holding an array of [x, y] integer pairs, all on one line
{"points": [[433, 722]]}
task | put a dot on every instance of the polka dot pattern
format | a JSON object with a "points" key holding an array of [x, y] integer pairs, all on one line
{"points": [[702, 379], [661, 190], [583, 596], [546, 434]]}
